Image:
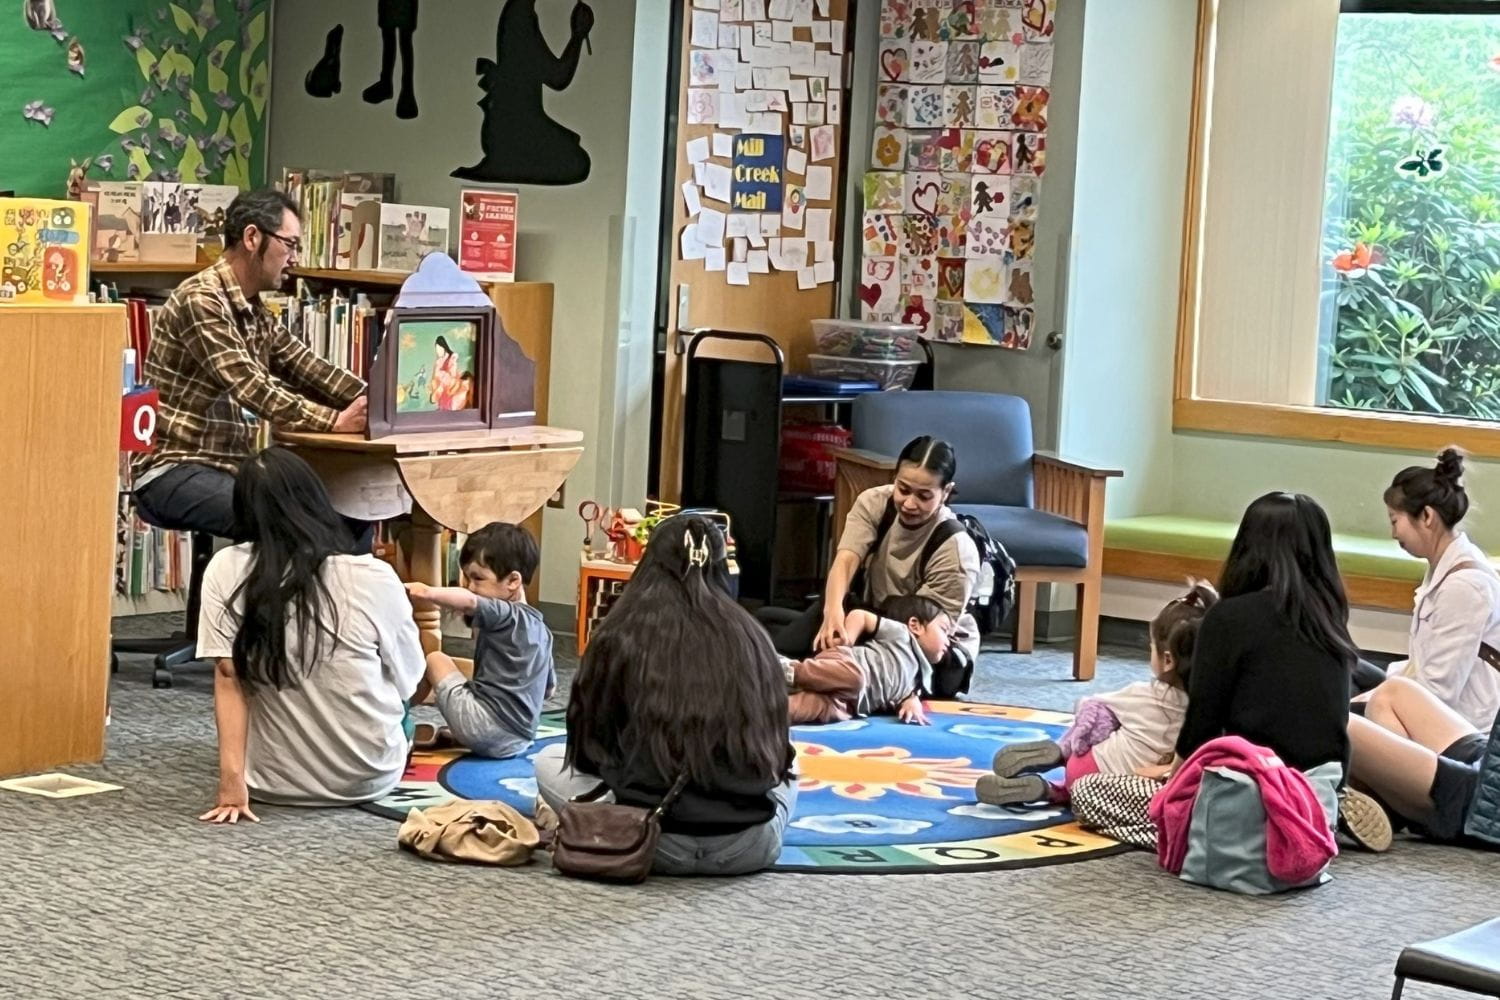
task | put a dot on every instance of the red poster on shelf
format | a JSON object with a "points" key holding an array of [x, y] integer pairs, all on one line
{"points": [[487, 234]]}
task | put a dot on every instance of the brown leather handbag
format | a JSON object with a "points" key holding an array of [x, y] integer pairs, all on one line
{"points": [[606, 841]]}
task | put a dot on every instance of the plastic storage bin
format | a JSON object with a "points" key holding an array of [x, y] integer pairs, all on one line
{"points": [[853, 338], [890, 374]]}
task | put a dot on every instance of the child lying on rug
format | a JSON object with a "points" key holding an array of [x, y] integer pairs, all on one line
{"points": [[879, 676], [1129, 731], [496, 713]]}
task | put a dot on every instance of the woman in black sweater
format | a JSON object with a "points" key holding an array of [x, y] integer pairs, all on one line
{"points": [[680, 681], [1274, 656]]}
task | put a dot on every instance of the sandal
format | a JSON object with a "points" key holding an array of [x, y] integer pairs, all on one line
{"points": [[430, 736]]}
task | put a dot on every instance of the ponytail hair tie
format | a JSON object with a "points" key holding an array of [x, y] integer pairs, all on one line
{"points": [[697, 551]]}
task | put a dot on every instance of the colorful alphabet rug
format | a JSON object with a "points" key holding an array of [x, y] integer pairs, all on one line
{"points": [[874, 796]]}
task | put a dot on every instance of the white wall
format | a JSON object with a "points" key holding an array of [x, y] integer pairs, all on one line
{"points": [[572, 236], [1134, 108]]}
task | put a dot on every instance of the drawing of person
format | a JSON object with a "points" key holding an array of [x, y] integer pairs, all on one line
{"points": [[446, 382], [983, 200], [521, 143]]}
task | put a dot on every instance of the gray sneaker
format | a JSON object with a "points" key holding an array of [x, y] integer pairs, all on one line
{"points": [[1019, 758], [1363, 820], [997, 791]]}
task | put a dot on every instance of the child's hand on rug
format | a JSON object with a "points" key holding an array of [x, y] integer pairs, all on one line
{"points": [[910, 712]]}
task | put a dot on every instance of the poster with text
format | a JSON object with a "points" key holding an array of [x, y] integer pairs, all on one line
{"points": [[487, 234], [758, 163]]}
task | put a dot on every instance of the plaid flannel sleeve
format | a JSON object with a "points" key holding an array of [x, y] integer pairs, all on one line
{"points": [[229, 361], [295, 362]]}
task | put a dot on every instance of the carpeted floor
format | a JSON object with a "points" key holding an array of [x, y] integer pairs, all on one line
{"points": [[126, 895]]}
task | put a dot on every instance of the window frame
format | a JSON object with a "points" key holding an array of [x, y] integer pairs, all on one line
{"points": [[1191, 412]]}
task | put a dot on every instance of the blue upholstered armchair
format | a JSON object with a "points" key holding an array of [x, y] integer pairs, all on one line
{"points": [[1047, 512]]}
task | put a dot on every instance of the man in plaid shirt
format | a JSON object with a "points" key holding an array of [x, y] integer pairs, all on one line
{"points": [[220, 362]]}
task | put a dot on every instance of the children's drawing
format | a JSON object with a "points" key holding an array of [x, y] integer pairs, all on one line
{"points": [[999, 62], [924, 107], [951, 278], [889, 150], [984, 280], [957, 148], [963, 62], [1036, 64], [929, 62], [958, 106], [991, 153], [919, 276], [986, 236], [881, 238], [883, 191], [919, 236], [1029, 153], [1018, 286], [890, 104], [1031, 109], [895, 60], [923, 150], [947, 322], [994, 106], [923, 191], [895, 18]]}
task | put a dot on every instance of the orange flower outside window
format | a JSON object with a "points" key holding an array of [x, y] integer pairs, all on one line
{"points": [[1354, 263]]}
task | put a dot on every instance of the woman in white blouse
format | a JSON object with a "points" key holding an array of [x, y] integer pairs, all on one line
{"points": [[1457, 607]]}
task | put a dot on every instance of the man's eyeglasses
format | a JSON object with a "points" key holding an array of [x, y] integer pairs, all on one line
{"points": [[290, 242]]}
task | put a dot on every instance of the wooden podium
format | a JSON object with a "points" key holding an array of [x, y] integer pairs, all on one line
{"points": [[459, 480], [59, 447]]}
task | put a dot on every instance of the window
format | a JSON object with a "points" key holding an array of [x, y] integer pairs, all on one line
{"points": [[1412, 215], [1341, 273]]}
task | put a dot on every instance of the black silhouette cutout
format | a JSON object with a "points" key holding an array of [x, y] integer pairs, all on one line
{"points": [[398, 21], [983, 200], [521, 144], [323, 79]]}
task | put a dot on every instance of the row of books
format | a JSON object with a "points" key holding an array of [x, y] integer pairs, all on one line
{"points": [[147, 558], [158, 221], [340, 328]]}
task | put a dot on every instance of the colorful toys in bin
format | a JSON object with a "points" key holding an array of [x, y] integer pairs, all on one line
{"points": [[627, 531]]}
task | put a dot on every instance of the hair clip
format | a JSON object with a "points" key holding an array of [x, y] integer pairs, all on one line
{"points": [[697, 552]]}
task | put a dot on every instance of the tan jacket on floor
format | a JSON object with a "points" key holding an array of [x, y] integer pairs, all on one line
{"points": [[488, 833]]}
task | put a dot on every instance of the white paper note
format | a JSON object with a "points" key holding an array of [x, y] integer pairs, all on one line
{"points": [[819, 183], [797, 91], [822, 8], [770, 225], [793, 254], [781, 10], [815, 113], [732, 111], [729, 36], [820, 32], [755, 10], [698, 169], [836, 36], [759, 261], [806, 278], [819, 224], [706, 4], [739, 274], [691, 199], [765, 123], [823, 250], [796, 161], [799, 113], [713, 259], [781, 31], [804, 58], [781, 78], [823, 272], [711, 227], [717, 181], [692, 246], [742, 77], [723, 144], [705, 29], [697, 149], [755, 237], [741, 249], [802, 12], [835, 107], [740, 224]]}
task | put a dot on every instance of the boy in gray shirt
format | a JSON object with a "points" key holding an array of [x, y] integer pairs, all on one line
{"points": [[880, 675], [495, 714]]}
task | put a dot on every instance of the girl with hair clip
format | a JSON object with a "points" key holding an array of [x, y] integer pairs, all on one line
{"points": [[680, 681], [315, 647], [1129, 731], [1457, 607]]}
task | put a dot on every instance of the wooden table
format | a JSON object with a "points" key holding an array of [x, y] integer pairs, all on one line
{"points": [[460, 480]]}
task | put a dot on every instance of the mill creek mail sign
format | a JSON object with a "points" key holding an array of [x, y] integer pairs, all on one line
{"points": [[757, 179]]}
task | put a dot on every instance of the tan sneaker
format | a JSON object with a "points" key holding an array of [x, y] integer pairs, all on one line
{"points": [[1364, 821]]}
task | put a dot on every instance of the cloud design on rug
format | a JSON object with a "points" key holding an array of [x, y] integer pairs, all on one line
{"points": [[1000, 733], [983, 810], [848, 726], [525, 787], [865, 823]]}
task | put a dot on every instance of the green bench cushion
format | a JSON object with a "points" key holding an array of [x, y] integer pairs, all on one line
{"points": [[1174, 534]]}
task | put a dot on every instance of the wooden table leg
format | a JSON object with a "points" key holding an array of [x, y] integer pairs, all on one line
{"points": [[426, 559]]}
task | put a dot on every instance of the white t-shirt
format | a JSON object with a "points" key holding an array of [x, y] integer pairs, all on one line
{"points": [[1150, 714], [336, 737], [1455, 610]]}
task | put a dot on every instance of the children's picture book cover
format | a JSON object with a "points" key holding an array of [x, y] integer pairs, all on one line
{"points": [[410, 232], [435, 365], [46, 245], [487, 234], [117, 231]]}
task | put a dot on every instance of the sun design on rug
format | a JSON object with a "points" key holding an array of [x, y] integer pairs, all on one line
{"points": [[868, 773]]}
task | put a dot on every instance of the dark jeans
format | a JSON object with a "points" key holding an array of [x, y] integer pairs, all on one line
{"points": [[191, 497]]}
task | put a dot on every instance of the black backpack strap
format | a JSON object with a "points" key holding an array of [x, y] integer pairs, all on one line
{"points": [[940, 534], [859, 586]]}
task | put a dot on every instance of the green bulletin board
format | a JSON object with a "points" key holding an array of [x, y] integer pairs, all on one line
{"points": [[168, 91]]}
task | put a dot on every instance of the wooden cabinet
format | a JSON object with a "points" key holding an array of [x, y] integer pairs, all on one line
{"points": [[59, 440]]}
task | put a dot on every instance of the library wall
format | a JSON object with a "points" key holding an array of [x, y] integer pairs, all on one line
{"points": [[570, 235]]}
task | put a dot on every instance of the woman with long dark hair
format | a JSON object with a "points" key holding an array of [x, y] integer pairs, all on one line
{"points": [[315, 649], [1274, 656], [880, 556], [679, 681]]}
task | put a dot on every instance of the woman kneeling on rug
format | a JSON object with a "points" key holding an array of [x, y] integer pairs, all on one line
{"points": [[679, 681], [316, 651], [884, 553]]}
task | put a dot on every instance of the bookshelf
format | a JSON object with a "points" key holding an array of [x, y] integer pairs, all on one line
{"points": [[60, 453], [182, 268]]}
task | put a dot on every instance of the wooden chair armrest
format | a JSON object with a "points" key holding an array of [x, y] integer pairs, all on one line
{"points": [[1041, 458], [857, 471], [867, 459], [1075, 491]]}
